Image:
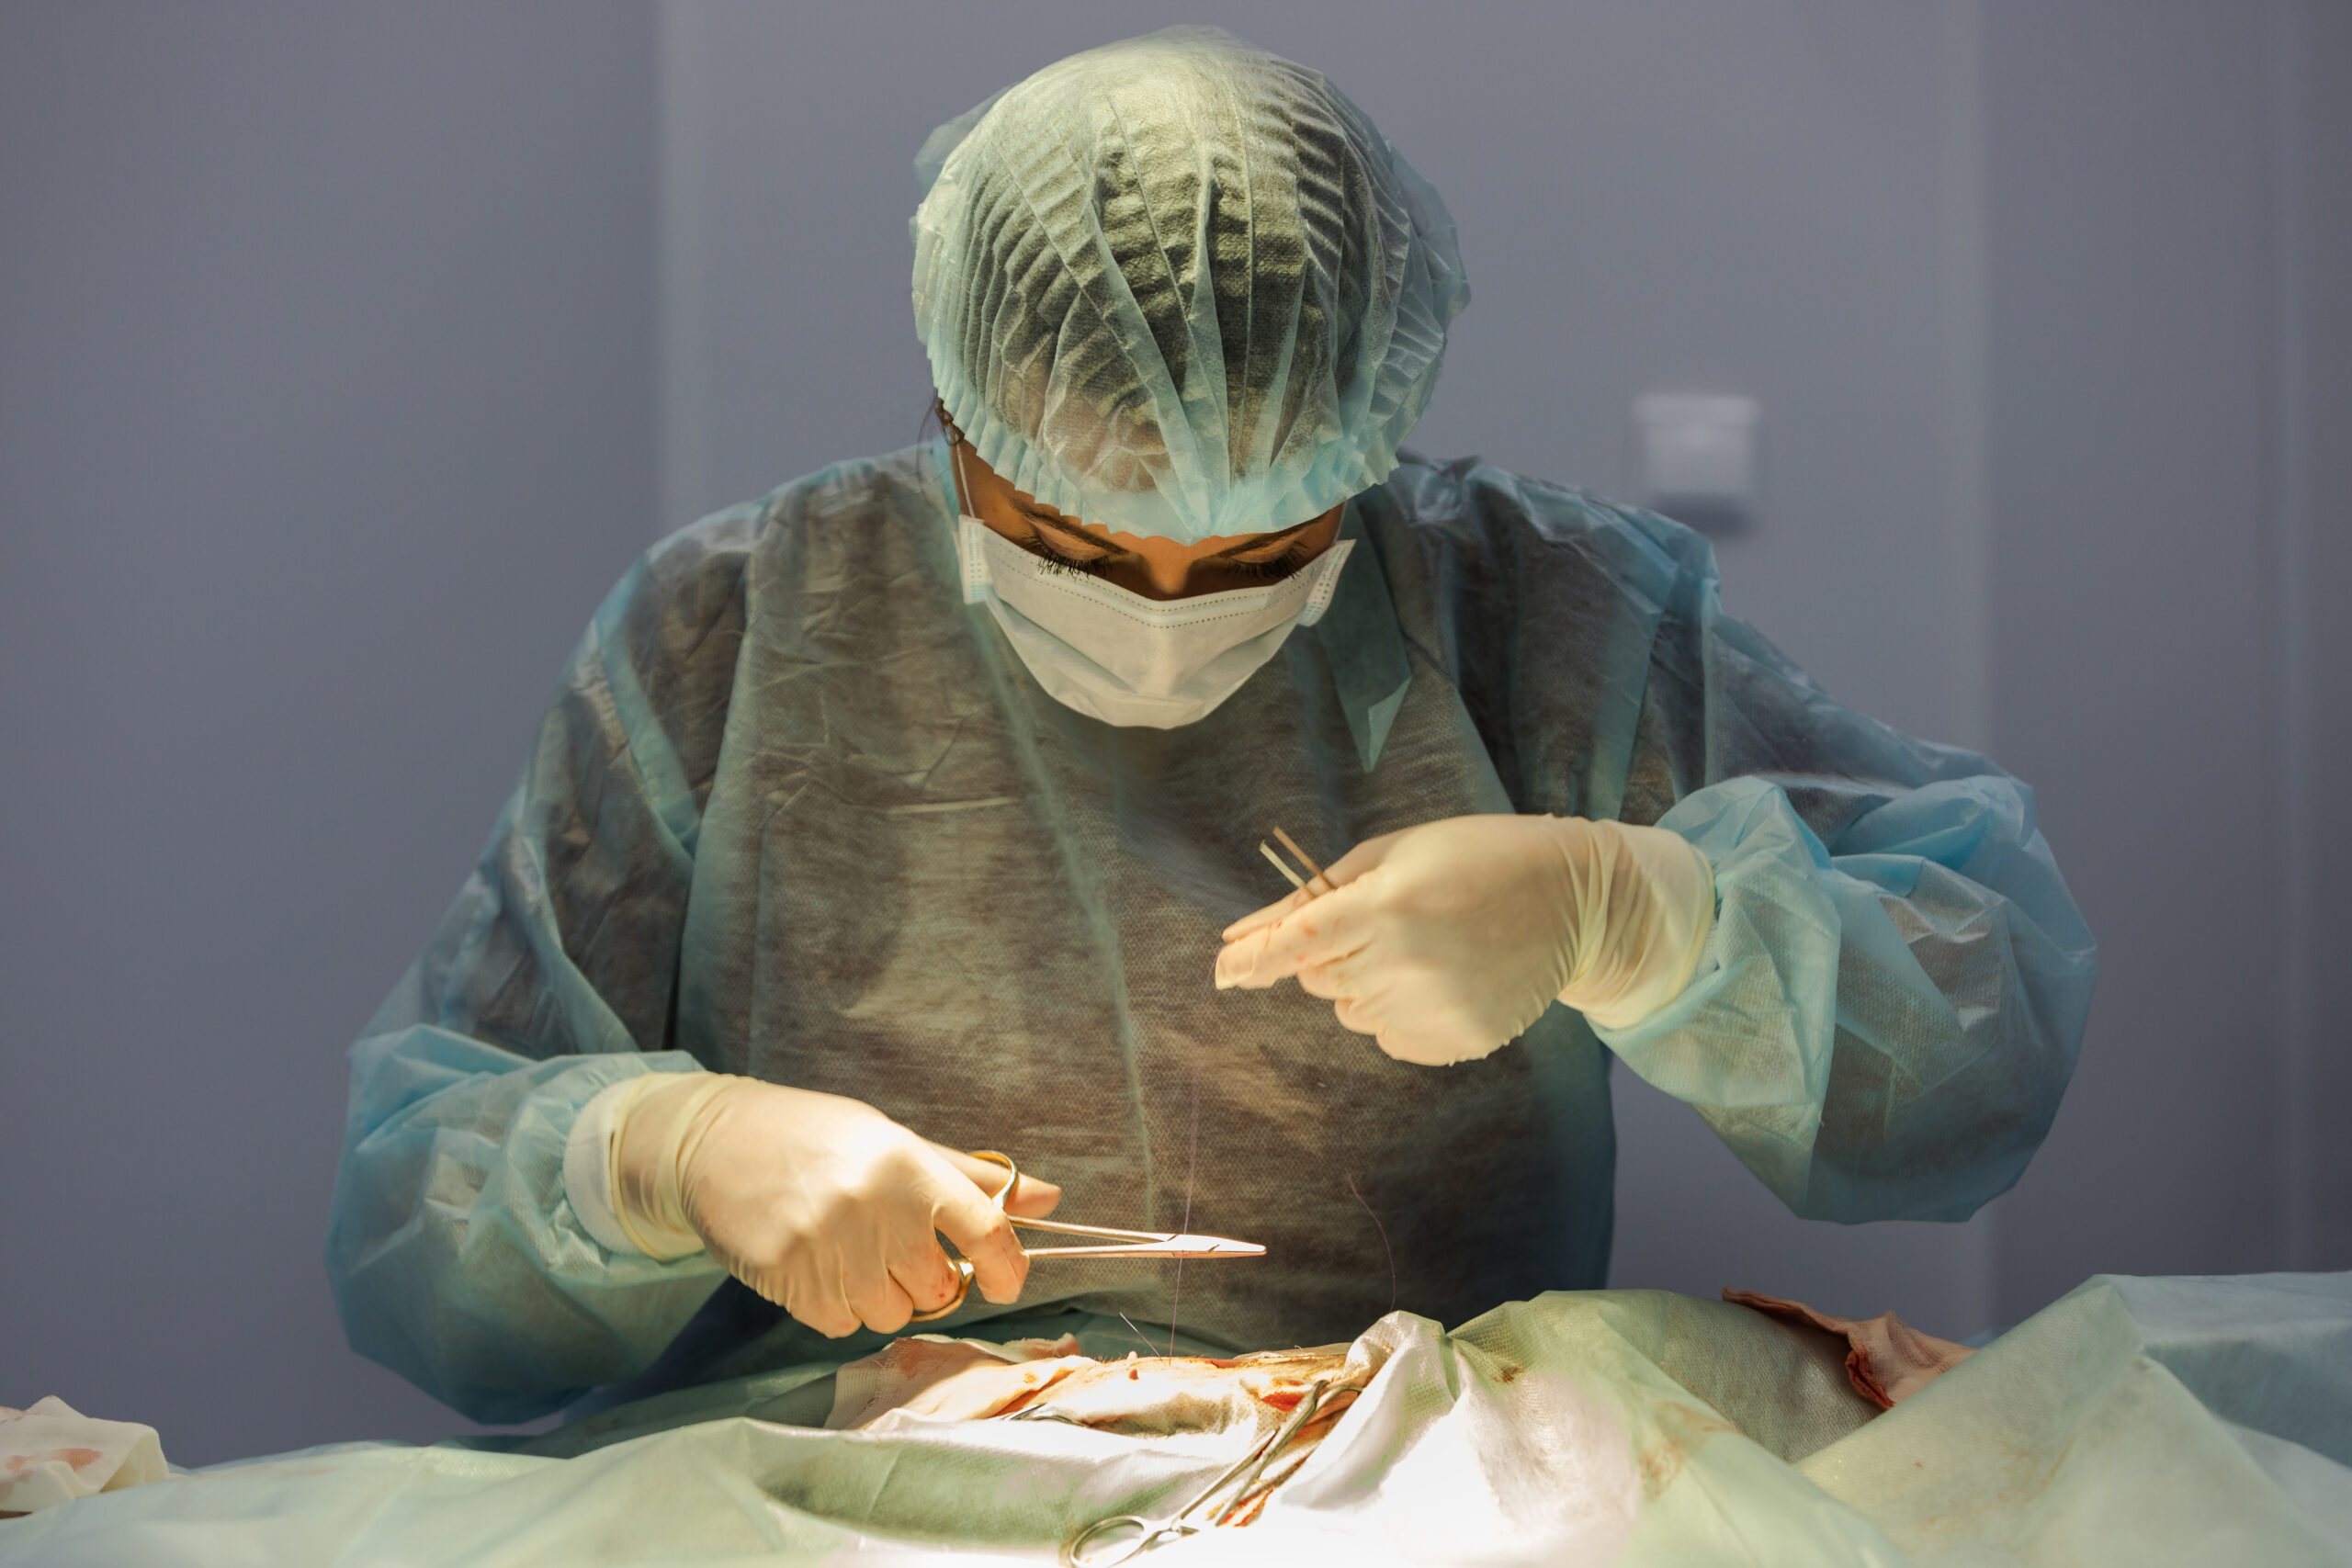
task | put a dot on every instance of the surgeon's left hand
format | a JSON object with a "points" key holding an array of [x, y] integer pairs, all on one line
{"points": [[1446, 942]]}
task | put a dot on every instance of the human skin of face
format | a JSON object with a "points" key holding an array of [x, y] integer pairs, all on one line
{"points": [[1155, 569]]}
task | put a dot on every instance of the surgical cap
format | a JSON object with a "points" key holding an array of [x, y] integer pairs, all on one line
{"points": [[1181, 288]]}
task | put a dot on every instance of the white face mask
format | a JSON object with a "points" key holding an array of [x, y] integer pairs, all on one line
{"points": [[1126, 659]]}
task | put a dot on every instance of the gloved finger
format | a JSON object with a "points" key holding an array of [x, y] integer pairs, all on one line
{"points": [[1356, 1015], [1337, 874], [1331, 981], [875, 1297], [1034, 1198], [812, 1298], [925, 1273], [981, 1231], [1321, 980], [1332, 928], [1259, 919]]}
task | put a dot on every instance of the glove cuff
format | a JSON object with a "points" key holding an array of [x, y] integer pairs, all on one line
{"points": [[1646, 905], [623, 1160], [592, 1161]]}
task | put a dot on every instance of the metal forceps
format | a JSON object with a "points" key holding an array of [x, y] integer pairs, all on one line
{"points": [[1127, 1244], [1079, 1551], [1315, 882]]}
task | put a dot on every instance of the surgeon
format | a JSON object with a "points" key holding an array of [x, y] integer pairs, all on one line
{"points": [[914, 809]]}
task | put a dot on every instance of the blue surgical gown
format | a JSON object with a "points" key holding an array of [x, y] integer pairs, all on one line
{"points": [[797, 811]]}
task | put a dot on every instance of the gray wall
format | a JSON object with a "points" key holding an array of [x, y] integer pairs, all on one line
{"points": [[326, 414], [2313, 440], [2143, 212], [330, 400]]}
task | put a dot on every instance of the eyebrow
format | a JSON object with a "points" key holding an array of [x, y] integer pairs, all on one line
{"points": [[1063, 527]]}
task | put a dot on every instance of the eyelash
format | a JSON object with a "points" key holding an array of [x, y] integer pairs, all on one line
{"points": [[1061, 563], [1282, 565]]}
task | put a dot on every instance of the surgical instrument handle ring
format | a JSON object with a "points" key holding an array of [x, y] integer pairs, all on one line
{"points": [[964, 1264], [1244, 1470]]}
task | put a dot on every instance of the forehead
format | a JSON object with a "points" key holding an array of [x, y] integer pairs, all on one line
{"points": [[1037, 510]]}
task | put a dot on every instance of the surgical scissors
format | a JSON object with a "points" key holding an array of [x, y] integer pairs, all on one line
{"points": [[1129, 1244], [1151, 1533]]}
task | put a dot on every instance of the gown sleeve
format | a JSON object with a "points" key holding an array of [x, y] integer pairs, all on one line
{"points": [[1895, 988], [455, 1257]]}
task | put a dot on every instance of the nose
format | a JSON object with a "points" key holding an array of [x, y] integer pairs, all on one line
{"points": [[1166, 578]]}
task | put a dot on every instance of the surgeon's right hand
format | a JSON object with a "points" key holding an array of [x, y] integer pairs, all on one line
{"points": [[824, 1205]]}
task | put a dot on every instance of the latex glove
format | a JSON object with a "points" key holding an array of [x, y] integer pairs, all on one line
{"points": [[824, 1205], [1445, 941]]}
